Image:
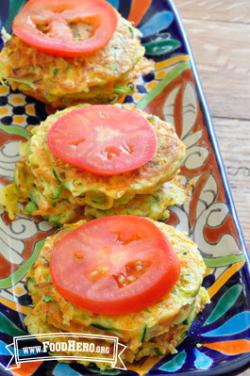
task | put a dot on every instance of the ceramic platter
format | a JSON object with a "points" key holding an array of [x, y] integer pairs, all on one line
{"points": [[219, 339]]}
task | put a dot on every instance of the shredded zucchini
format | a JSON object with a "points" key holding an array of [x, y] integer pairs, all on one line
{"points": [[30, 207]]}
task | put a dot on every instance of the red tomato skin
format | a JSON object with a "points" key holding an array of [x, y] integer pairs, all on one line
{"points": [[134, 130], [23, 28], [121, 308], [122, 305]]}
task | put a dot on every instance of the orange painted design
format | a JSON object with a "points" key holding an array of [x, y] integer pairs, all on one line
{"points": [[178, 111], [19, 290], [195, 198], [5, 111], [14, 306], [5, 138], [214, 234], [6, 267], [4, 90], [224, 278], [235, 347], [151, 85], [18, 119], [30, 109], [26, 369], [171, 61], [173, 219], [208, 271], [17, 100], [160, 75], [156, 106], [138, 10], [143, 369]]}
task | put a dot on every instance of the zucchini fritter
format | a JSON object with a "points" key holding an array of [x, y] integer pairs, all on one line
{"points": [[60, 192], [59, 81], [152, 331]]}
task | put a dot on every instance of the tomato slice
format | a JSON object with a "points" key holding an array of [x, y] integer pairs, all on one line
{"points": [[114, 265], [66, 27], [103, 139]]}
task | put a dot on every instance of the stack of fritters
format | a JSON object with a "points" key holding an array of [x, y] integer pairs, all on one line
{"points": [[100, 77], [156, 330], [61, 193]]}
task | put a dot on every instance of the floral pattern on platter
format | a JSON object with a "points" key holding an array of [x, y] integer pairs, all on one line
{"points": [[219, 339]]}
